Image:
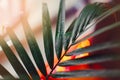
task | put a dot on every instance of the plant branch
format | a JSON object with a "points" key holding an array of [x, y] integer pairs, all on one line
{"points": [[58, 62]]}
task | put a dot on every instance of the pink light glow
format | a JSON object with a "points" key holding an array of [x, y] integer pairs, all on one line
{"points": [[10, 12]]}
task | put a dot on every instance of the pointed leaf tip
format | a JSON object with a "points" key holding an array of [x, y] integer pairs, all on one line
{"points": [[47, 36], [87, 73], [33, 45], [60, 29]]}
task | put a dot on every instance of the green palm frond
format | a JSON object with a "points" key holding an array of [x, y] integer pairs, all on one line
{"points": [[34, 47], [96, 58], [87, 73], [23, 55], [89, 13], [68, 34], [13, 60], [47, 35], [60, 29], [90, 16], [5, 74]]}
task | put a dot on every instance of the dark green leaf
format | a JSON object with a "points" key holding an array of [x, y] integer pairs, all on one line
{"points": [[14, 61], [23, 55], [95, 47], [34, 47], [5, 74], [106, 14], [90, 12], [94, 11], [97, 32], [68, 34], [87, 73], [97, 20], [103, 16], [47, 36], [60, 29], [96, 58]]}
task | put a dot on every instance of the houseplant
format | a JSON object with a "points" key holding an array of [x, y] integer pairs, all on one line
{"points": [[92, 15]]}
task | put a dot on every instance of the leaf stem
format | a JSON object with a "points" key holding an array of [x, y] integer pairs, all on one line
{"points": [[47, 77]]}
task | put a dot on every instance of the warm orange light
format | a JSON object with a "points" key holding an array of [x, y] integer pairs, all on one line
{"points": [[82, 67], [82, 45], [79, 45]]}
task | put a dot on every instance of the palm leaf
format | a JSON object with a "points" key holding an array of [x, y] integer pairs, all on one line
{"points": [[5, 74], [103, 16], [60, 29], [95, 47], [47, 35], [96, 10], [34, 47], [23, 55], [13, 60], [68, 34], [90, 12], [97, 20], [91, 15], [97, 32], [87, 73], [96, 58]]}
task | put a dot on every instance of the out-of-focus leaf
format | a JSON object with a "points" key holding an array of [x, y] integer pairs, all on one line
{"points": [[68, 34], [5, 74], [103, 16], [23, 55], [87, 73], [106, 14], [47, 36], [97, 32], [60, 29], [99, 19], [91, 59], [96, 10], [95, 47], [34, 47], [14, 61], [90, 12]]}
